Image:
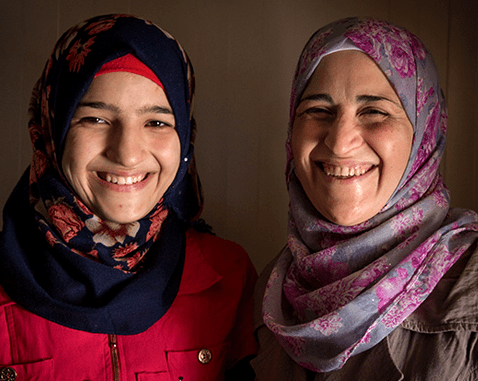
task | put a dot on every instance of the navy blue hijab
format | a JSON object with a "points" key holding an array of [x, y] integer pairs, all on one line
{"points": [[51, 263]]}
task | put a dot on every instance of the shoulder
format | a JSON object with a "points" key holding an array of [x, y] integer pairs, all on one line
{"points": [[443, 331], [447, 355], [211, 260], [272, 361], [218, 279], [5, 300], [221, 254], [452, 306], [259, 291]]}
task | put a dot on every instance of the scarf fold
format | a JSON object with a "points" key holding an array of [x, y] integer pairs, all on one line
{"points": [[60, 260], [337, 291]]}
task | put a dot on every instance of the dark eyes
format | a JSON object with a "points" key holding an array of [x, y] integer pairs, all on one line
{"points": [[374, 112], [151, 123], [318, 110], [92, 120], [326, 112], [158, 124]]}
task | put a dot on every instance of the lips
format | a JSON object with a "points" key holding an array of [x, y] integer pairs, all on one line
{"points": [[345, 172]]}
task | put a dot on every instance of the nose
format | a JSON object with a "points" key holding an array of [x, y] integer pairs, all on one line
{"points": [[125, 146], [343, 136]]}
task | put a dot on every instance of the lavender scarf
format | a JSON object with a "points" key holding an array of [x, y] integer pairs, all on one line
{"points": [[337, 291]]}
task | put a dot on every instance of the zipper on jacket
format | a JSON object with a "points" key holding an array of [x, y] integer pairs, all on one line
{"points": [[114, 357]]}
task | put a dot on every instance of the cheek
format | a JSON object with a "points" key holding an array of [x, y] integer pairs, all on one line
{"points": [[394, 152], [168, 152], [78, 152], [300, 143], [70, 156], [305, 145], [301, 151], [296, 148]]}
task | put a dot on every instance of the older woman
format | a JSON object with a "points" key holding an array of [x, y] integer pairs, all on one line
{"points": [[106, 273], [378, 278]]}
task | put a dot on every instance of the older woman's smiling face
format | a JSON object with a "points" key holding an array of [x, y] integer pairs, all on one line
{"points": [[122, 150], [351, 138]]}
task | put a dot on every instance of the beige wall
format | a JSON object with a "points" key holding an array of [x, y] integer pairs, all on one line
{"points": [[244, 53]]}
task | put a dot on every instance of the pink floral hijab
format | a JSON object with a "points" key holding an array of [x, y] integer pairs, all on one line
{"points": [[337, 291], [60, 260]]}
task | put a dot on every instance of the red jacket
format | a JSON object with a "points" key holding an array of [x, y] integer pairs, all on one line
{"points": [[206, 331]]}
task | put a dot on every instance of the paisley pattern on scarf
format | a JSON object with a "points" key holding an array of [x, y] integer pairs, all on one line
{"points": [[62, 262], [336, 291]]}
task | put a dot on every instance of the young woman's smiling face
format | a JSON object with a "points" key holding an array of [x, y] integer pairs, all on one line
{"points": [[122, 150], [351, 138]]}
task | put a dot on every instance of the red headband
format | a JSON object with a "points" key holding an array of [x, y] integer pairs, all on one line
{"points": [[130, 64]]}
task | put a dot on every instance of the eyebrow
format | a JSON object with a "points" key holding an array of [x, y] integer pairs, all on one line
{"points": [[98, 105], [360, 98], [144, 110], [154, 109], [376, 98], [318, 97]]}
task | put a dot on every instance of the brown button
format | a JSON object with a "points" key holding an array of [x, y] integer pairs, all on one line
{"points": [[8, 374], [204, 356]]}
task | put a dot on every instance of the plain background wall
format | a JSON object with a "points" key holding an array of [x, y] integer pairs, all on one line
{"points": [[244, 53]]}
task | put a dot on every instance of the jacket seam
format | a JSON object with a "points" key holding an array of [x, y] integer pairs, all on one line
{"points": [[11, 328]]}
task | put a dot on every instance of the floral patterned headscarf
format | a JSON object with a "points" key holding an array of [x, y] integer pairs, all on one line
{"points": [[66, 257], [337, 291]]}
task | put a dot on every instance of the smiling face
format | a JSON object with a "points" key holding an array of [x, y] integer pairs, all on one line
{"points": [[351, 138], [122, 151]]}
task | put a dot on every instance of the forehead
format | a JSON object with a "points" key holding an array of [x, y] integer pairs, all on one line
{"points": [[120, 80], [351, 70]]}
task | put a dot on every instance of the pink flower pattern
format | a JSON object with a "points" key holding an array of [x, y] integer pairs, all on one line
{"points": [[429, 139], [390, 287], [315, 50], [400, 46], [327, 326], [333, 296], [294, 344], [422, 97]]}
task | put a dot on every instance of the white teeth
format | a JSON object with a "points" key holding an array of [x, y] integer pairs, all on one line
{"points": [[344, 172], [120, 180]]}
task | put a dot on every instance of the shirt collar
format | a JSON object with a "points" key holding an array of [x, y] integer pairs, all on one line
{"points": [[198, 274]]}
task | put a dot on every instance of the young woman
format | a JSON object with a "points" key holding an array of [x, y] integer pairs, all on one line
{"points": [[107, 273], [378, 278]]}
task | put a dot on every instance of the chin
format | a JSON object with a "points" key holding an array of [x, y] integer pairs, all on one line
{"points": [[346, 219], [123, 217]]}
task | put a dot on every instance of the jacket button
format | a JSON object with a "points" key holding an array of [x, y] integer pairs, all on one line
{"points": [[204, 356], [8, 374]]}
